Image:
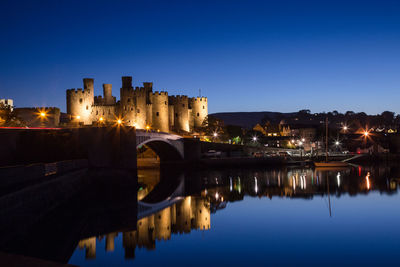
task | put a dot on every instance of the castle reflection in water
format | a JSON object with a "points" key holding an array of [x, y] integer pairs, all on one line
{"points": [[213, 190], [190, 213]]}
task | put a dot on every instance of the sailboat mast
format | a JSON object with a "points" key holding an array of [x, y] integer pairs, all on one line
{"points": [[326, 139]]}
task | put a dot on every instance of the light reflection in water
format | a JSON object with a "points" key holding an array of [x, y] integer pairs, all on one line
{"points": [[194, 212]]}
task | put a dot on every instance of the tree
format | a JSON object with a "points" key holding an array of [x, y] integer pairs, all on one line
{"points": [[213, 125], [387, 118]]}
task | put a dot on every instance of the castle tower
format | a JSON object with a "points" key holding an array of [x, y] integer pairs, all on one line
{"points": [[80, 102], [201, 212], [110, 238], [141, 96], [199, 106], [129, 241], [181, 112], [128, 102], [159, 101], [184, 215], [107, 92], [162, 222]]}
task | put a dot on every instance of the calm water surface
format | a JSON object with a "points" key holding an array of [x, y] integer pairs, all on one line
{"points": [[268, 217]]}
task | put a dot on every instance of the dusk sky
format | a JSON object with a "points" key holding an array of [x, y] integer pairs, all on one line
{"points": [[244, 55]]}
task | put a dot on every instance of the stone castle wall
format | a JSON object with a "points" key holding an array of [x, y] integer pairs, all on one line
{"points": [[139, 107]]}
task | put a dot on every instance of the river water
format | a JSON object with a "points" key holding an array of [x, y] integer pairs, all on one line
{"points": [[272, 217]]}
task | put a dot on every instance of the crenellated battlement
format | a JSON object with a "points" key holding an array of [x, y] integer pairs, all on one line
{"points": [[174, 99], [179, 97], [199, 99], [140, 91], [159, 93], [78, 91]]}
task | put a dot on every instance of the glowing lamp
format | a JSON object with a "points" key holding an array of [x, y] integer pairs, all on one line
{"points": [[119, 121], [101, 119], [42, 114], [78, 117], [366, 133]]}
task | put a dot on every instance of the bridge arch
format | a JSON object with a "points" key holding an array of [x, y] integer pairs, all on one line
{"points": [[164, 148]]}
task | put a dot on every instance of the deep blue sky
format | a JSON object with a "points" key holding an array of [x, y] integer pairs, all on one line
{"points": [[244, 55]]}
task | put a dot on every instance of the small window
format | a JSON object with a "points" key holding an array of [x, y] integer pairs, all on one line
{"points": [[176, 115], [97, 112], [204, 107], [198, 114], [80, 100], [129, 100], [138, 111], [183, 105], [109, 111], [157, 114], [165, 102], [131, 109], [87, 107]]}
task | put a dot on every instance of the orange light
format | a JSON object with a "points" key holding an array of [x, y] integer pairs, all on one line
{"points": [[147, 127], [78, 117], [366, 133], [119, 121], [101, 119], [42, 114]]}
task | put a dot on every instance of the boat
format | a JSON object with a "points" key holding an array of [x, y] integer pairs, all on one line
{"points": [[326, 163], [331, 164]]}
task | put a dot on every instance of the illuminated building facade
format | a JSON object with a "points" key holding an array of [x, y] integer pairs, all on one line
{"points": [[139, 107]]}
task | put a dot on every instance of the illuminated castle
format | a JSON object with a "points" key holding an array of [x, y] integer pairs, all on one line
{"points": [[139, 107]]}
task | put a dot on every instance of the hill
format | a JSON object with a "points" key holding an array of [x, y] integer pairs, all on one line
{"points": [[249, 119]]}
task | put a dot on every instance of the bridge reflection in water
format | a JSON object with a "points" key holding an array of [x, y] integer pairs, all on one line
{"points": [[195, 196]]}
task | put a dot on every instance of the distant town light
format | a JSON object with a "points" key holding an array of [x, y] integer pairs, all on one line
{"points": [[293, 141], [42, 114], [300, 143], [337, 143], [147, 127], [366, 133], [345, 128], [215, 134], [303, 140], [254, 138], [101, 119], [119, 121], [78, 117]]}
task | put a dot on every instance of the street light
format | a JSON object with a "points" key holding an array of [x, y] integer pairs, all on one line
{"points": [[78, 117], [42, 114], [254, 138], [337, 143], [366, 133], [119, 121], [215, 134], [101, 119]]}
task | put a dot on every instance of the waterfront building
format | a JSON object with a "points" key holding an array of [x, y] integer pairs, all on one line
{"points": [[140, 107]]}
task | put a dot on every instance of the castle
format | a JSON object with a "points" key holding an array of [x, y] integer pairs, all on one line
{"points": [[139, 107]]}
